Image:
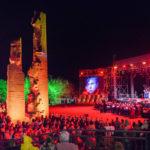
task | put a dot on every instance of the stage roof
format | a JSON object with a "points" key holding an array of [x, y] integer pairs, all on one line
{"points": [[138, 59]]}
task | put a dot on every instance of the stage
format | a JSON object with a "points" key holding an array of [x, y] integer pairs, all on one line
{"points": [[90, 110]]}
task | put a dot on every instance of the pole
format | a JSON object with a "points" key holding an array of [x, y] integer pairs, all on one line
{"points": [[132, 84]]}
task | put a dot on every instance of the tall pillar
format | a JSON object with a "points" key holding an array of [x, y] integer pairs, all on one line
{"points": [[43, 86], [15, 84], [38, 73]]}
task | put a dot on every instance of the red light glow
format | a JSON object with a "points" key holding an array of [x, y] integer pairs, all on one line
{"points": [[115, 67], [144, 62], [124, 66], [131, 65], [81, 73]]}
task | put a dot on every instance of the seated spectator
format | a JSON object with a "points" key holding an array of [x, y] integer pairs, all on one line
{"points": [[48, 145], [7, 135], [27, 145], [64, 142], [91, 141], [41, 125]]}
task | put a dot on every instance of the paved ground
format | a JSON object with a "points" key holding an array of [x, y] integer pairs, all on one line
{"points": [[92, 113]]}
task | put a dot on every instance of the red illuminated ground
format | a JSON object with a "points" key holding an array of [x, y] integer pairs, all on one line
{"points": [[93, 114]]}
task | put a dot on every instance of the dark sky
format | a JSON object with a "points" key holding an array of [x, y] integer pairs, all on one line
{"points": [[80, 35]]}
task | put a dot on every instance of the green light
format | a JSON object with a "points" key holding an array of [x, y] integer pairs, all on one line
{"points": [[56, 88], [27, 85], [3, 90]]}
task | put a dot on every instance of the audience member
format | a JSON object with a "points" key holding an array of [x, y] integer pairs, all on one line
{"points": [[118, 146], [64, 142], [48, 145], [41, 125], [27, 145]]}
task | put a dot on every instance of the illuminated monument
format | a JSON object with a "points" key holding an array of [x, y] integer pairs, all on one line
{"points": [[15, 83], [38, 103]]}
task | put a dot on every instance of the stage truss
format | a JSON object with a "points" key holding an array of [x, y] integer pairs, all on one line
{"points": [[119, 79], [125, 71]]}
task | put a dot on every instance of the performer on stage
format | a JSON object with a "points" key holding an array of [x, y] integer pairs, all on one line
{"points": [[146, 92]]}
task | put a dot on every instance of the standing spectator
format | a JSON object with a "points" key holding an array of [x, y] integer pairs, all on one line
{"points": [[118, 146], [48, 145], [27, 145], [64, 142]]}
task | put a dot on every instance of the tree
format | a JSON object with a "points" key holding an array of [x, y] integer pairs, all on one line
{"points": [[56, 89], [27, 85], [3, 90]]}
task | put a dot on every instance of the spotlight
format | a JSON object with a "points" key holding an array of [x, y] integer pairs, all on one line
{"points": [[124, 66], [144, 62], [131, 65], [81, 73], [115, 67]]}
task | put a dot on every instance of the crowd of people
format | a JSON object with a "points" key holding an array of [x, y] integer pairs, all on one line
{"points": [[131, 110], [41, 125]]}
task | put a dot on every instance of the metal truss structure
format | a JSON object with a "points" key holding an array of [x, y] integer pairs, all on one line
{"points": [[119, 79]]}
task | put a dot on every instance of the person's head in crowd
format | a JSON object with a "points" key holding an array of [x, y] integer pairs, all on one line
{"points": [[133, 124], [140, 123], [126, 123], [145, 124], [122, 121], [64, 136], [118, 146], [49, 139]]}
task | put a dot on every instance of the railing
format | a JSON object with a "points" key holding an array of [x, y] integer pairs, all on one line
{"points": [[11, 144], [95, 139]]}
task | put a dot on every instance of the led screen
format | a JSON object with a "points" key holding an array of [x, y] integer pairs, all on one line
{"points": [[91, 85]]}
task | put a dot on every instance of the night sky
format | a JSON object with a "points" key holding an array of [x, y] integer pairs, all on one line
{"points": [[79, 35]]}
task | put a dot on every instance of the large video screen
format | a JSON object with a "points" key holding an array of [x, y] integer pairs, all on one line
{"points": [[91, 85]]}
